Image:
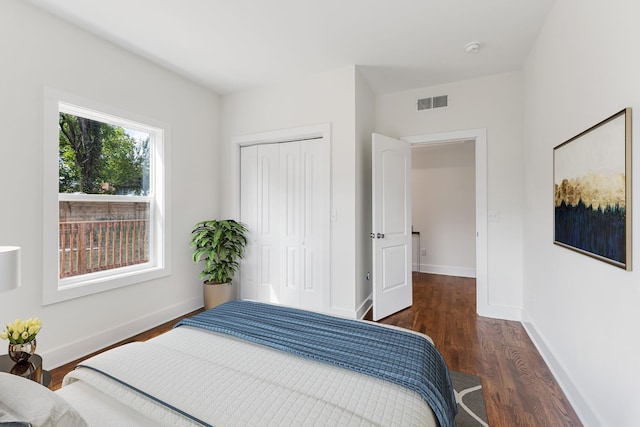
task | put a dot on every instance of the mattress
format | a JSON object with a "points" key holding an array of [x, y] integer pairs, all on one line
{"points": [[193, 377]]}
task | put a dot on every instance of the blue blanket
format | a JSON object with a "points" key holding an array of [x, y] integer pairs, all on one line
{"points": [[394, 355]]}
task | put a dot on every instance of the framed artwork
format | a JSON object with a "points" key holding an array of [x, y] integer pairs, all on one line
{"points": [[592, 191]]}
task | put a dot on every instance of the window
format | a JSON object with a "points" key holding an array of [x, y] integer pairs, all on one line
{"points": [[105, 198]]}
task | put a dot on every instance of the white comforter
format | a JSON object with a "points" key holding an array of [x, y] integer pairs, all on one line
{"points": [[225, 381]]}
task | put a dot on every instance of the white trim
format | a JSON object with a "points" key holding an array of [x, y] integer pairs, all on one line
{"points": [[61, 355], [582, 407], [448, 270], [102, 198], [284, 135], [55, 290], [479, 136], [364, 307]]}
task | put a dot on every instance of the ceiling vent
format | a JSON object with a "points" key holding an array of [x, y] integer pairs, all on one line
{"points": [[435, 102]]}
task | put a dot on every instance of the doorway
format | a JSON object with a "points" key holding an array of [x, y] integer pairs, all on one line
{"points": [[443, 208], [479, 138]]}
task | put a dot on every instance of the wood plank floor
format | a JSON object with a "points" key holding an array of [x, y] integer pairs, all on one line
{"points": [[518, 388]]}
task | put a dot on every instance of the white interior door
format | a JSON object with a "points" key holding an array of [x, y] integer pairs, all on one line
{"points": [[391, 219]]}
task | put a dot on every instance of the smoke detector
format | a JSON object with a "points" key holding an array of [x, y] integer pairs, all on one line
{"points": [[472, 47]]}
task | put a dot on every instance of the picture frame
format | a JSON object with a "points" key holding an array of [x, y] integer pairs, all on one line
{"points": [[592, 191]]}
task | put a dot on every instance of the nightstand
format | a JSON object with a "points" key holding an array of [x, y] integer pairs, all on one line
{"points": [[30, 369]]}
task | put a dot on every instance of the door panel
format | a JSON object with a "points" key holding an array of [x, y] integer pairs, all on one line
{"points": [[249, 217], [290, 220], [314, 214], [268, 227], [391, 219]]}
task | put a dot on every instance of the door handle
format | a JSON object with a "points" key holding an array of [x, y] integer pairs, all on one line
{"points": [[380, 235]]}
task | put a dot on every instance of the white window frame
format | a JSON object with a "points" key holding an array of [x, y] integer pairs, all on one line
{"points": [[159, 264]]}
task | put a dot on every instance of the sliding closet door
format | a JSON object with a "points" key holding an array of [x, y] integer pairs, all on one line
{"points": [[249, 216], [284, 203], [302, 225], [314, 216], [260, 212], [290, 261]]}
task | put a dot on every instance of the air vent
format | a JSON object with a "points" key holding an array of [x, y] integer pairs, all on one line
{"points": [[424, 104], [435, 102], [440, 101]]}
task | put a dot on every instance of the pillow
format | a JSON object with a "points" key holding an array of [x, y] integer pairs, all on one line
{"points": [[26, 401]]}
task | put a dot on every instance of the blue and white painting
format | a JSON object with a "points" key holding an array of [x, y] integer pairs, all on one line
{"points": [[591, 194]]}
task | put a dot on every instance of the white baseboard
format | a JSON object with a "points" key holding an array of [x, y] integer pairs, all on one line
{"points": [[364, 307], [580, 405], [70, 352], [447, 270], [502, 312]]}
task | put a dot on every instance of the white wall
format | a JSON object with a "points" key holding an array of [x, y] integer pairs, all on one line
{"points": [[39, 50], [494, 103], [322, 98], [444, 208], [364, 254], [582, 313]]}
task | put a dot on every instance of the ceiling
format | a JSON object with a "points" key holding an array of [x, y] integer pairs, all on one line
{"points": [[233, 45]]}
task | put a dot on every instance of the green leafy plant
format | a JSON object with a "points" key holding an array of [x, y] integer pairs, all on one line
{"points": [[220, 245]]}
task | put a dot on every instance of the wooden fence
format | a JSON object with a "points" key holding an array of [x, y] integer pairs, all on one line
{"points": [[89, 246]]}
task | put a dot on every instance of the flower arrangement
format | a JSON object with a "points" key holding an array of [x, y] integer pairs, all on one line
{"points": [[21, 331]]}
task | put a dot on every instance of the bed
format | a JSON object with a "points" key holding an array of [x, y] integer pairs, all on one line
{"points": [[246, 363]]}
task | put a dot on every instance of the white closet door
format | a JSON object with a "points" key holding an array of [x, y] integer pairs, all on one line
{"points": [[269, 230], [249, 217], [290, 261], [285, 205], [314, 216], [260, 212]]}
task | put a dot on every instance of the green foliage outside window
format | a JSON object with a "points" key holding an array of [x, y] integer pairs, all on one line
{"points": [[100, 158]]}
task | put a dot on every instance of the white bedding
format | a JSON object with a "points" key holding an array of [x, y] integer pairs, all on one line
{"points": [[225, 381]]}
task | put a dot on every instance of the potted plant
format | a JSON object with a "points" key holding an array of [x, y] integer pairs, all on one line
{"points": [[220, 245]]}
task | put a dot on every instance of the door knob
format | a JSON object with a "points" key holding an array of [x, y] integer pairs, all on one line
{"points": [[380, 236]]}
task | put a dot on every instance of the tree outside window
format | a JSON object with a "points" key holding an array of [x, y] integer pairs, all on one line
{"points": [[99, 158]]}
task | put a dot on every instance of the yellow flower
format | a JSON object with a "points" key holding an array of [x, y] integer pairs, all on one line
{"points": [[20, 331]]}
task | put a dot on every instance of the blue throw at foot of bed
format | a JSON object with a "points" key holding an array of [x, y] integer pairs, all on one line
{"points": [[401, 357]]}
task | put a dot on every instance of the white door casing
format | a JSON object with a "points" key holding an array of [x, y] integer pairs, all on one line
{"points": [[391, 221]]}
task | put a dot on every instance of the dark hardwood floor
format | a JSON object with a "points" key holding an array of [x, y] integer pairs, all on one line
{"points": [[518, 388]]}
